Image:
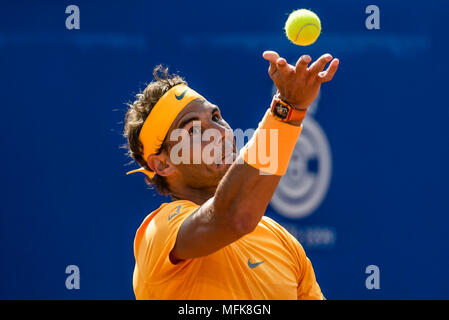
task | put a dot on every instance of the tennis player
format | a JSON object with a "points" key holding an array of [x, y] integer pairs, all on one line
{"points": [[213, 240]]}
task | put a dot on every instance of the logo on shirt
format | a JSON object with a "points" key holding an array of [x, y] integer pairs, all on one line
{"points": [[175, 213], [253, 265]]}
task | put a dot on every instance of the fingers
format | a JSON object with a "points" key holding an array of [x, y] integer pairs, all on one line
{"points": [[271, 56], [279, 68], [302, 64], [325, 76], [319, 65], [283, 67], [277, 64]]}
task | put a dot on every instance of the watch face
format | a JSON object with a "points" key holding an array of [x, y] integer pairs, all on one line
{"points": [[281, 111]]}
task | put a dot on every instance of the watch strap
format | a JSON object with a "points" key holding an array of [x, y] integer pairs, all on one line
{"points": [[285, 111]]}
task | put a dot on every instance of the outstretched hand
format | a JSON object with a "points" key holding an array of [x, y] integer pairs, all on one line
{"points": [[299, 85]]}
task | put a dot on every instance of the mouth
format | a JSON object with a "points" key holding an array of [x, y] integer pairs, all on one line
{"points": [[230, 153]]}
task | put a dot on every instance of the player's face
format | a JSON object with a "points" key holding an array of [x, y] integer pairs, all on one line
{"points": [[201, 144]]}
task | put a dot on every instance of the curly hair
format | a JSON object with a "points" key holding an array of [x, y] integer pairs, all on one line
{"points": [[138, 112]]}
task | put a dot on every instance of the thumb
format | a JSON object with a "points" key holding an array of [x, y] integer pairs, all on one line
{"points": [[272, 57]]}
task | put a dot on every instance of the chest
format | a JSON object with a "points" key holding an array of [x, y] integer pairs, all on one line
{"points": [[258, 264]]}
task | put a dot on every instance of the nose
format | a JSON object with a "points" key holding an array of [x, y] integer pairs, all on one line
{"points": [[224, 138], [220, 127]]}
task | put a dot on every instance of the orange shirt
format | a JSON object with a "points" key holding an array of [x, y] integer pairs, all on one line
{"points": [[268, 263]]}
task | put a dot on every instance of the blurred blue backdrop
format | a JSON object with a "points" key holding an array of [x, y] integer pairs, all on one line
{"points": [[375, 152]]}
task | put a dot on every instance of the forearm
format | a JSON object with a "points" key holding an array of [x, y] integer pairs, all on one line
{"points": [[243, 196], [244, 192], [240, 200]]}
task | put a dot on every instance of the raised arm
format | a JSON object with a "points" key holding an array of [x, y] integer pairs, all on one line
{"points": [[243, 194]]}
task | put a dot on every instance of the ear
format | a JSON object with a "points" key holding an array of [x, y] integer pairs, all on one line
{"points": [[160, 165]]}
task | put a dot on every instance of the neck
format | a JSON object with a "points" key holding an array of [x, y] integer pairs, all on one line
{"points": [[198, 196]]}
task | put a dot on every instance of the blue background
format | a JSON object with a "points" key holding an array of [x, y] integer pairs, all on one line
{"points": [[65, 198]]}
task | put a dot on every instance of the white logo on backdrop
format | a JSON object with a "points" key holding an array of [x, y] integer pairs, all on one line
{"points": [[303, 188]]}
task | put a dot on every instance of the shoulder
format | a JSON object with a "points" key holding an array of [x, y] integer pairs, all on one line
{"points": [[173, 211], [169, 210], [283, 235], [155, 239], [168, 216], [274, 226]]}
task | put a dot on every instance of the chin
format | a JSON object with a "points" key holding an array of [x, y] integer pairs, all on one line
{"points": [[225, 167], [222, 169]]}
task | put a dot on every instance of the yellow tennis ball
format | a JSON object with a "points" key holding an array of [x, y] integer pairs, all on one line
{"points": [[302, 27]]}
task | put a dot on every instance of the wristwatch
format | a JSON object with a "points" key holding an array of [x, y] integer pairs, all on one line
{"points": [[284, 111]]}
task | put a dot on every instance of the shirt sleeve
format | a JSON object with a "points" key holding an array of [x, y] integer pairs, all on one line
{"points": [[159, 239], [308, 288]]}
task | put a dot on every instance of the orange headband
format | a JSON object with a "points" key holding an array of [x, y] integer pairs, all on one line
{"points": [[161, 117]]}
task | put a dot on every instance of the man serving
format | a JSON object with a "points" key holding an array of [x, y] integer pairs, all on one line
{"points": [[213, 240]]}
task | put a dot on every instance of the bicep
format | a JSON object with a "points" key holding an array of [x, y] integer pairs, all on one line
{"points": [[202, 233]]}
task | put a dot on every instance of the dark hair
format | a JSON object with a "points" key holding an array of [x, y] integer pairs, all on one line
{"points": [[137, 113]]}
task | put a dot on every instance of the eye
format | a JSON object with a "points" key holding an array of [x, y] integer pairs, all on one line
{"points": [[216, 117]]}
